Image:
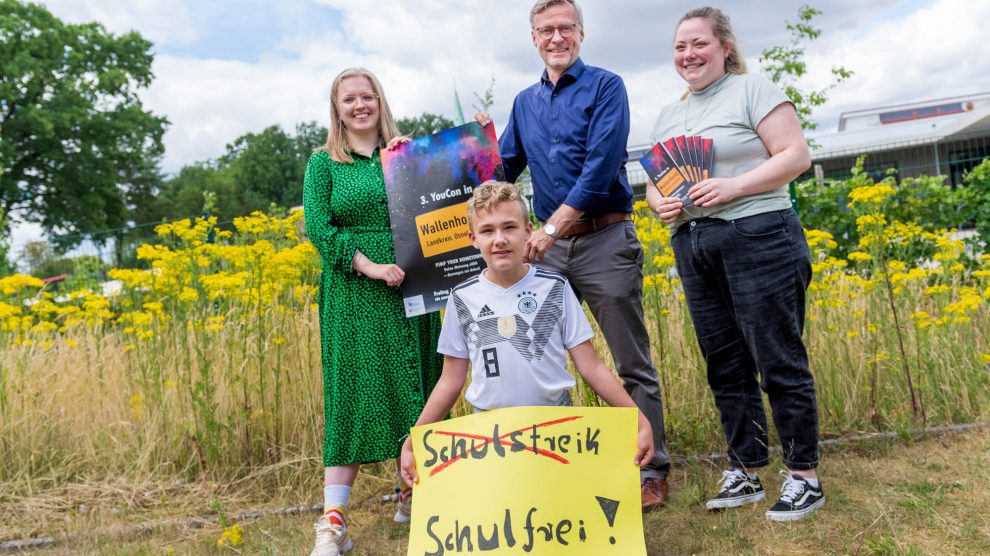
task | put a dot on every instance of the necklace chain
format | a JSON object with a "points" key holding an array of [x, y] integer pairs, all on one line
{"points": [[704, 110]]}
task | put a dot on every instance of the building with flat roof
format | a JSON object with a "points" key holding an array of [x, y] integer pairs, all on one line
{"points": [[943, 136]]}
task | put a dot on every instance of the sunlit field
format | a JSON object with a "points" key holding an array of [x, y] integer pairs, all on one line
{"points": [[205, 367]]}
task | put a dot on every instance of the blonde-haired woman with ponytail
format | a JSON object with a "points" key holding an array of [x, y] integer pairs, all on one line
{"points": [[744, 262]]}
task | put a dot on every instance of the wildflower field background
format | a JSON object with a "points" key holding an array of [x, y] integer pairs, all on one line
{"points": [[204, 366]]}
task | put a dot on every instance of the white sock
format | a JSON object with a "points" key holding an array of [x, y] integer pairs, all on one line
{"points": [[813, 481], [335, 495]]}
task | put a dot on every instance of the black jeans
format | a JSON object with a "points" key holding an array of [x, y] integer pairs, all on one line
{"points": [[745, 282]]}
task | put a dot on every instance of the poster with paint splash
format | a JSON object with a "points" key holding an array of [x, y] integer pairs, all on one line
{"points": [[428, 182]]}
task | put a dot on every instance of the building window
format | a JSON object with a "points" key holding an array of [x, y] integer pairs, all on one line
{"points": [[962, 160], [919, 113]]}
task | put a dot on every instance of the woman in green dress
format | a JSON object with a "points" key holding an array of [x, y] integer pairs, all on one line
{"points": [[379, 367]]}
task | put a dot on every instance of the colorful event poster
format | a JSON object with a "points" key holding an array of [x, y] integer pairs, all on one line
{"points": [[428, 182], [528, 480]]}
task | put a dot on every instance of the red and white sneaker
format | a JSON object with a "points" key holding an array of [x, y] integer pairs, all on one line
{"points": [[403, 506], [331, 535]]}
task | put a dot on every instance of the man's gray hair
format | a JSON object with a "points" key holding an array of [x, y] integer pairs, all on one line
{"points": [[542, 5]]}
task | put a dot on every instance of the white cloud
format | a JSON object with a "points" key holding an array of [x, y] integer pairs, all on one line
{"points": [[160, 21], [936, 51], [900, 50], [899, 53]]}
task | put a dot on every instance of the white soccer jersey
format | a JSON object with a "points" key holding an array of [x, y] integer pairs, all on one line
{"points": [[516, 338]]}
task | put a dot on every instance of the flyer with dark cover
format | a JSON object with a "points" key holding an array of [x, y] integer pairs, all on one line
{"points": [[676, 164], [428, 181], [665, 174]]}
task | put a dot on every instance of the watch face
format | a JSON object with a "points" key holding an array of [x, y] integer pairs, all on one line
{"points": [[550, 229]]}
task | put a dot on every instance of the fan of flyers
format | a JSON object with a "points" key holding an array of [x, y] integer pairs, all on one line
{"points": [[675, 164]]}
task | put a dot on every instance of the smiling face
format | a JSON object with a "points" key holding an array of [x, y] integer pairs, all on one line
{"points": [[357, 105], [500, 234], [699, 56], [558, 52]]}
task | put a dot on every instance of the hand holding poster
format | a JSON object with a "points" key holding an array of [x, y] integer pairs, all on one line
{"points": [[428, 182], [528, 480]]}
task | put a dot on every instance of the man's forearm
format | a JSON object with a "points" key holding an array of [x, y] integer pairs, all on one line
{"points": [[564, 217]]}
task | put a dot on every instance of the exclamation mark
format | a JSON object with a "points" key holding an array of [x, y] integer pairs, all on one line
{"points": [[609, 507]]}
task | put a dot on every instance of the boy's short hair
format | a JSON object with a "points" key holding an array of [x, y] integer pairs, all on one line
{"points": [[490, 194]]}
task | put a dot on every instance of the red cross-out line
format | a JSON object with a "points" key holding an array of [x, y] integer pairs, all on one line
{"points": [[488, 439]]}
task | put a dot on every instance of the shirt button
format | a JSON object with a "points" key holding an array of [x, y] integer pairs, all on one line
{"points": [[693, 224], [553, 160]]}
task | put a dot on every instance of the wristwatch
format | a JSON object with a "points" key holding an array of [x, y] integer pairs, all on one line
{"points": [[551, 230]]}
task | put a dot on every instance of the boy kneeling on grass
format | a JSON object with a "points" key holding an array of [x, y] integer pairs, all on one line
{"points": [[488, 320]]}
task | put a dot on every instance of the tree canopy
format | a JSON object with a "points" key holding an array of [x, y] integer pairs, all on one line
{"points": [[75, 136], [785, 64], [424, 124]]}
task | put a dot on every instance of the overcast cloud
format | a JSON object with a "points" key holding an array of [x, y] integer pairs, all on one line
{"points": [[225, 68]]}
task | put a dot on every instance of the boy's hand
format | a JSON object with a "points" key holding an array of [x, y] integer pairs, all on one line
{"points": [[407, 463], [644, 442]]}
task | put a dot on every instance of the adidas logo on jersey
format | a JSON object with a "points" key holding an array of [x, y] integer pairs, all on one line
{"points": [[486, 311]]}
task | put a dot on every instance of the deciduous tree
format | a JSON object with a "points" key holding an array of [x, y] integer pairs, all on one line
{"points": [[784, 65], [76, 136]]}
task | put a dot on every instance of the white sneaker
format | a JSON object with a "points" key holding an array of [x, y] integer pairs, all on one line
{"points": [[737, 490], [331, 538], [403, 506], [798, 499]]}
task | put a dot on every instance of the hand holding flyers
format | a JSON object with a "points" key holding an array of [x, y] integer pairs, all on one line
{"points": [[678, 163]]}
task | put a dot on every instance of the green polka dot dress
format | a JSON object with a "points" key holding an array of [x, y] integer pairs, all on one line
{"points": [[379, 367]]}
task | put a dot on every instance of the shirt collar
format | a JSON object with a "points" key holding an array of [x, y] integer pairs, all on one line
{"points": [[575, 71]]}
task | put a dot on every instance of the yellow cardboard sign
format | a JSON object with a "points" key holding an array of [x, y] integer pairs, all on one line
{"points": [[528, 480], [443, 230]]}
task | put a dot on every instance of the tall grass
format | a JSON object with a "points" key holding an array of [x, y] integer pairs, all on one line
{"points": [[207, 364]]}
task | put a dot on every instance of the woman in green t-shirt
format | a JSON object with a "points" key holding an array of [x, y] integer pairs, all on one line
{"points": [[744, 262]]}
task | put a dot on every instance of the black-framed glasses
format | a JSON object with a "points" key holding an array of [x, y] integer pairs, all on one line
{"points": [[566, 31], [366, 98]]}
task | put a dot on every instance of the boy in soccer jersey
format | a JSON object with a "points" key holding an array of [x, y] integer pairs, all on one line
{"points": [[513, 323]]}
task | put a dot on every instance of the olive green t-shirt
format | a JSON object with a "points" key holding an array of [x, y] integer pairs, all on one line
{"points": [[728, 111]]}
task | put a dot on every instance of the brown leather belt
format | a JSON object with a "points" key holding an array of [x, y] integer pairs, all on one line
{"points": [[593, 225]]}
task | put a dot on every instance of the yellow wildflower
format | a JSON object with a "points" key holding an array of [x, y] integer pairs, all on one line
{"points": [[232, 536], [136, 404], [870, 194], [10, 285]]}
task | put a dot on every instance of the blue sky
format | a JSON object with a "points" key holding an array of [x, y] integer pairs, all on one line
{"points": [[225, 68]]}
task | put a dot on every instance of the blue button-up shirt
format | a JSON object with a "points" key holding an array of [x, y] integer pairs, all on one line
{"points": [[573, 138]]}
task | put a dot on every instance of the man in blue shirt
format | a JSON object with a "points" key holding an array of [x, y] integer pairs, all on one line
{"points": [[571, 129]]}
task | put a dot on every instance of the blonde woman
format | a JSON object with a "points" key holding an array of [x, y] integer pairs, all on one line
{"points": [[744, 262], [379, 367]]}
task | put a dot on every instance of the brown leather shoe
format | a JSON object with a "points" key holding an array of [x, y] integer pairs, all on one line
{"points": [[654, 492]]}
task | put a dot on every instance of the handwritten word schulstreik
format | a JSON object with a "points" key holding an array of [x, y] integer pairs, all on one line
{"points": [[445, 448]]}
